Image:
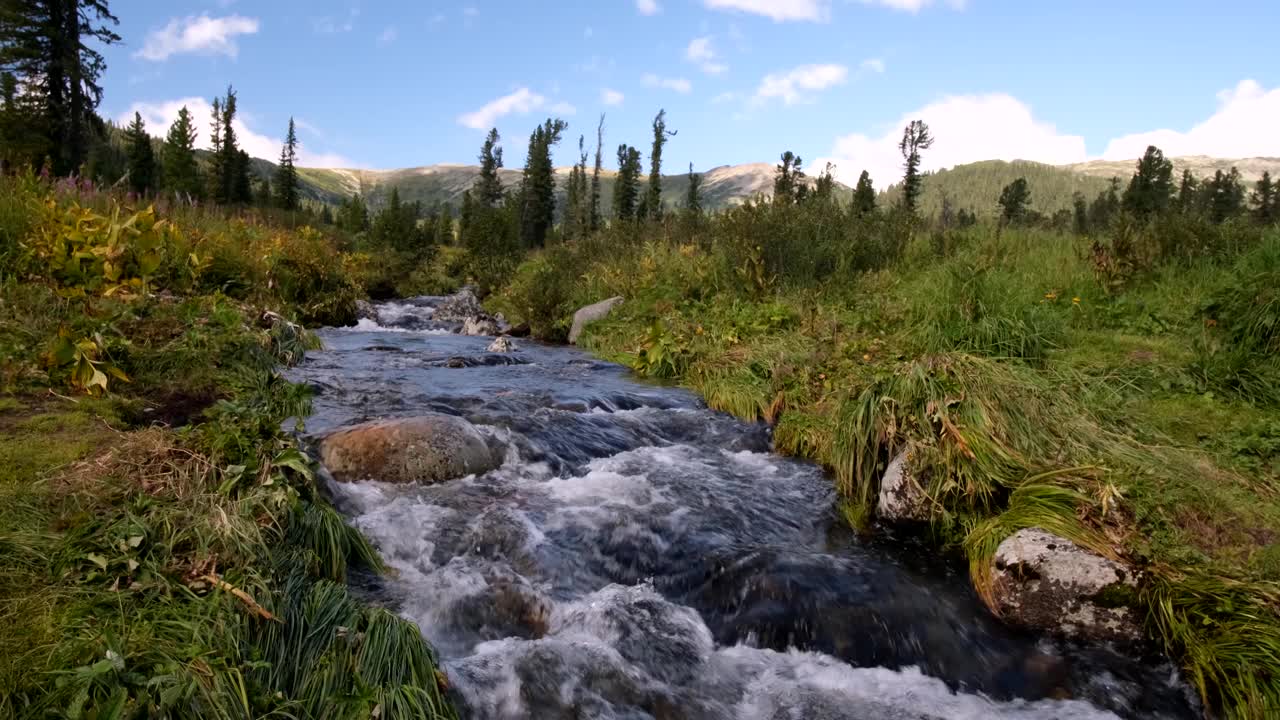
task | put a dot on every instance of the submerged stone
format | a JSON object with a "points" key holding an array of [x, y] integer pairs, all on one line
{"points": [[423, 449]]}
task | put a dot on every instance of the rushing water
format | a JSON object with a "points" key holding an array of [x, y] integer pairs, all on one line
{"points": [[640, 556]]}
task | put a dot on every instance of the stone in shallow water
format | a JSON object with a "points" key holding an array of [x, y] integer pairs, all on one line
{"points": [[425, 449], [502, 344], [903, 497]]}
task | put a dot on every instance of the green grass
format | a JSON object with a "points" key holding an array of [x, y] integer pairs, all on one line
{"points": [[1032, 394]]}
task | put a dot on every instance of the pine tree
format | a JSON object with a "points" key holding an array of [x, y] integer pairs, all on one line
{"points": [[1014, 200], [216, 174], [864, 196], [1266, 210], [1080, 214], [824, 190], [353, 215], [444, 226], [326, 214], [693, 196], [788, 179], [537, 185], [181, 173], [23, 133], [263, 196], [286, 174], [653, 198], [142, 159], [1105, 206], [626, 187], [596, 218], [1225, 196], [488, 187], [1188, 194], [1151, 187], [915, 138], [242, 184], [45, 44], [577, 217]]}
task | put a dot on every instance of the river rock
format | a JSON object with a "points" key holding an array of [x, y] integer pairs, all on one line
{"points": [[459, 306], [502, 344], [479, 325], [589, 314], [366, 311], [425, 449], [904, 497], [1046, 582]]}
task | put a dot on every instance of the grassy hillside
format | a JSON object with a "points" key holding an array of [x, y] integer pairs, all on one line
{"points": [[977, 186], [1201, 166]]}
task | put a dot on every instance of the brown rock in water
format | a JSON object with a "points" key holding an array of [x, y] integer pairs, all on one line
{"points": [[424, 449], [904, 495], [1046, 582]]}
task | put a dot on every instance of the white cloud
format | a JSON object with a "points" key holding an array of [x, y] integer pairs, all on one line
{"points": [[648, 7], [521, 102], [915, 6], [1238, 129], [701, 52], [680, 85], [791, 86], [327, 25], [192, 34], [611, 97], [777, 10], [387, 36], [966, 128], [875, 65], [160, 115]]}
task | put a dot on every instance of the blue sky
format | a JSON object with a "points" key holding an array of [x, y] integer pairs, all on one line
{"points": [[394, 84]]}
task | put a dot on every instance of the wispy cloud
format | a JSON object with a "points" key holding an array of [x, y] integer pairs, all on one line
{"points": [[648, 7], [197, 34], [875, 65], [387, 36], [328, 25], [778, 10], [915, 6], [704, 55], [611, 97], [796, 85], [680, 85], [520, 102]]}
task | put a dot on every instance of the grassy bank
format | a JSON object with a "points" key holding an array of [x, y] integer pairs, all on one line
{"points": [[1096, 387], [168, 550]]}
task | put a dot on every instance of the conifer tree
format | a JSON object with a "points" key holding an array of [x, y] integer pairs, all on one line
{"points": [[353, 215], [488, 188], [1151, 187], [45, 44], [1188, 193], [142, 159], [1014, 200], [1079, 214], [1105, 206], [1266, 210], [242, 184], [693, 196], [577, 217], [286, 186], [825, 188], [653, 197], [864, 196], [915, 138], [23, 134], [1225, 195], [216, 156], [444, 226], [596, 218], [537, 185], [181, 173], [626, 187], [787, 179]]}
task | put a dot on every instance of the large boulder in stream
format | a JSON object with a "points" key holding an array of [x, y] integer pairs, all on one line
{"points": [[904, 495], [423, 449], [480, 325], [1046, 582], [459, 306], [590, 314]]}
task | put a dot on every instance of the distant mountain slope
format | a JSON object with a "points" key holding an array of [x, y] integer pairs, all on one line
{"points": [[1201, 166], [977, 186], [433, 185]]}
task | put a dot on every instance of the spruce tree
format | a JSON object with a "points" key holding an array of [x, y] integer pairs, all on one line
{"points": [[1079, 214], [1188, 194], [626, 187], [864, 196], [596, 218], [1014, 199], [577, 216], [241, 183], [488, 187], [286, 185], [787, 178], [353, 215], [142, 159], [1225, 196], [444, 226], [1151, 187], [1266, 210], [45, 44], [915, 138], [537, 185], [653, 197], [181, 173], [216, 175], [824, 189], [693, 196], [1105, 206]]}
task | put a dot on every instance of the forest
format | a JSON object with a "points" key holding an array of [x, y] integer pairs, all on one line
{"points": [[1101, 358]]}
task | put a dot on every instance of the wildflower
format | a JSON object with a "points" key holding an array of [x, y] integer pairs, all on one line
{"points": [[1050, 296], [1075, 301], [867, 357]]}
